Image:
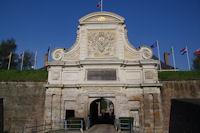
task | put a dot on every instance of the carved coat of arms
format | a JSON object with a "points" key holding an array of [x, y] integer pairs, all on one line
{"points": [[101, 44]]}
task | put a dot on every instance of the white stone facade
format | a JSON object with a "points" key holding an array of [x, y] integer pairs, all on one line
{"points": [[102, 44]]}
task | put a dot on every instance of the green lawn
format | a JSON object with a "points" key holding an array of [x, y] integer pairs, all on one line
{"points": [[25, 75], [179, 75], [42, 75]]}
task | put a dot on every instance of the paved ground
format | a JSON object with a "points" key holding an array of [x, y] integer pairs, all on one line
{"points": [[98, 128], [101, 128]]}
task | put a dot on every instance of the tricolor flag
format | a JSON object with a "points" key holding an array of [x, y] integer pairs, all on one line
{"points": [[99, 4], [9, 56], [197, 52], [183, 51], [171, 51]]}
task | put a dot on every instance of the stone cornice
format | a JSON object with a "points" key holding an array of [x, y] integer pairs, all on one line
{"points": [[103, 62], [102, 85]]}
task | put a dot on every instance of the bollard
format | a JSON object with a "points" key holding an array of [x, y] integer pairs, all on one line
{"points": [[44, 126], [36, 126], [81, 126], [25, 127], [65, 124], [135, 127]]}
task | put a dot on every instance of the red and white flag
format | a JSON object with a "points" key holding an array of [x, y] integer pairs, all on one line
{"points": [[197, 52], [99, 4], [183, 51]]}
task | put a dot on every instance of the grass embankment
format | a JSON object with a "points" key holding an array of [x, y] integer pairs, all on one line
{"points": [[25, 75], [42, 75], [179, 75]]}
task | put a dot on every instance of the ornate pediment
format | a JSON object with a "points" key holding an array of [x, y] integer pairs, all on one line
{"points": [[101, 17], [102, 35], [60, 54]]}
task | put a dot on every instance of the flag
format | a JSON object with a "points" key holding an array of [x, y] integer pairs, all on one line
{"points": [[197, 52], [22, 60], [171, 51], [35, 60], [154, 45], [99, 4], [9, 56], [48, 50], [183, 51]]}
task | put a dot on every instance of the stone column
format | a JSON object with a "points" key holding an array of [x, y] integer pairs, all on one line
{"points": [[152, 110], [148, 113], [52, 106], [157, 113]]}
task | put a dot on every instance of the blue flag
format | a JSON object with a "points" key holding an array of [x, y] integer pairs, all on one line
{"points": [[154, 45]]}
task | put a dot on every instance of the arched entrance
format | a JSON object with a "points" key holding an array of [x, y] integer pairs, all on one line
{"points": [[102, 111]]}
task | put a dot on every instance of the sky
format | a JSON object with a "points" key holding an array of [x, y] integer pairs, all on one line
{"points": [[38, 24]]}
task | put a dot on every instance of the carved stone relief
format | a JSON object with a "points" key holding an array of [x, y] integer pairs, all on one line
{"points": [[147, 53], [55, 75], [62, 54], [148, 75], [101, 43], [130, 55], [73, 56]]}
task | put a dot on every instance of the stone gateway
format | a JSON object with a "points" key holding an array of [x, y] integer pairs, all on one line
{"points": [[102, 64]]}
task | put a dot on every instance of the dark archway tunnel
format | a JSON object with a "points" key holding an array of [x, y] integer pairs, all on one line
{"points": [[102, 111], [185, 116]]}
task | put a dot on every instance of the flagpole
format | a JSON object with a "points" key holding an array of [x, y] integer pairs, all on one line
{"points": [[22, 61], [173, 58], [9, 60], [35, 59], [101, 5], [158, 53], [188, 59]]}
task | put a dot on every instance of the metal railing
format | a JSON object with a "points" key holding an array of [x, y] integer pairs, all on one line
{"points": [[73, 125], [138, 128], [129, 125], [125, 124], [47, 126]]}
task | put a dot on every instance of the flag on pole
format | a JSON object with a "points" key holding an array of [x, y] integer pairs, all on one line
{"points": [[22, 60], [35, 60], [172, 52], [183, 51], [154, 45], [9, 57], [197, 52], [48, 52], [99, 4]]}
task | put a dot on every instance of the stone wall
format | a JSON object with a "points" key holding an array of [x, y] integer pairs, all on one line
{"points": [[23, 101], [177, 90]]}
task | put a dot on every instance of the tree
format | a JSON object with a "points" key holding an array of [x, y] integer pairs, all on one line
{"points": [[28, 60], [196, 62], [5, 48]]}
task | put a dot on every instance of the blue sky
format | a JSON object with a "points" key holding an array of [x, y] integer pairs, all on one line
{"points": [[36, 24]]}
